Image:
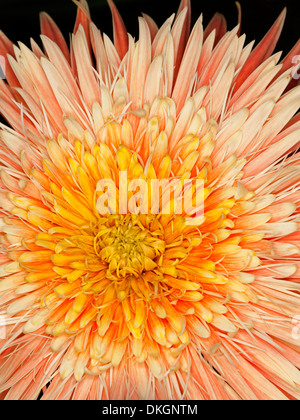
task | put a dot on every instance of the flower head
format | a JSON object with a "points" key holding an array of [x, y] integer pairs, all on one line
{"points": [[149, 213]]}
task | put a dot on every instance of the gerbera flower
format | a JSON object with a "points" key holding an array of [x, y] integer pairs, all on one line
{"points": [[154, 304]]}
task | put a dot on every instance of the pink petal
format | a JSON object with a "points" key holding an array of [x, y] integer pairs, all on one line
{"points": [[120, 32], [51, 30], [219, 24], [263, 50]]}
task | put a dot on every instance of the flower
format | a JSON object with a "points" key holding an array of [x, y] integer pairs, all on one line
{"points": [[161, 303]]}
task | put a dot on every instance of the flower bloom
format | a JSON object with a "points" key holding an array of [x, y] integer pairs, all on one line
{"points": [[154, 304]]}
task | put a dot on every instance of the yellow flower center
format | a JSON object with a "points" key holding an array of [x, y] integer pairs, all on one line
{"points": [[127, 246]]}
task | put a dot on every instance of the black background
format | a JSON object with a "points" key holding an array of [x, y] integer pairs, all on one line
{"points": [[19, 18]]}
